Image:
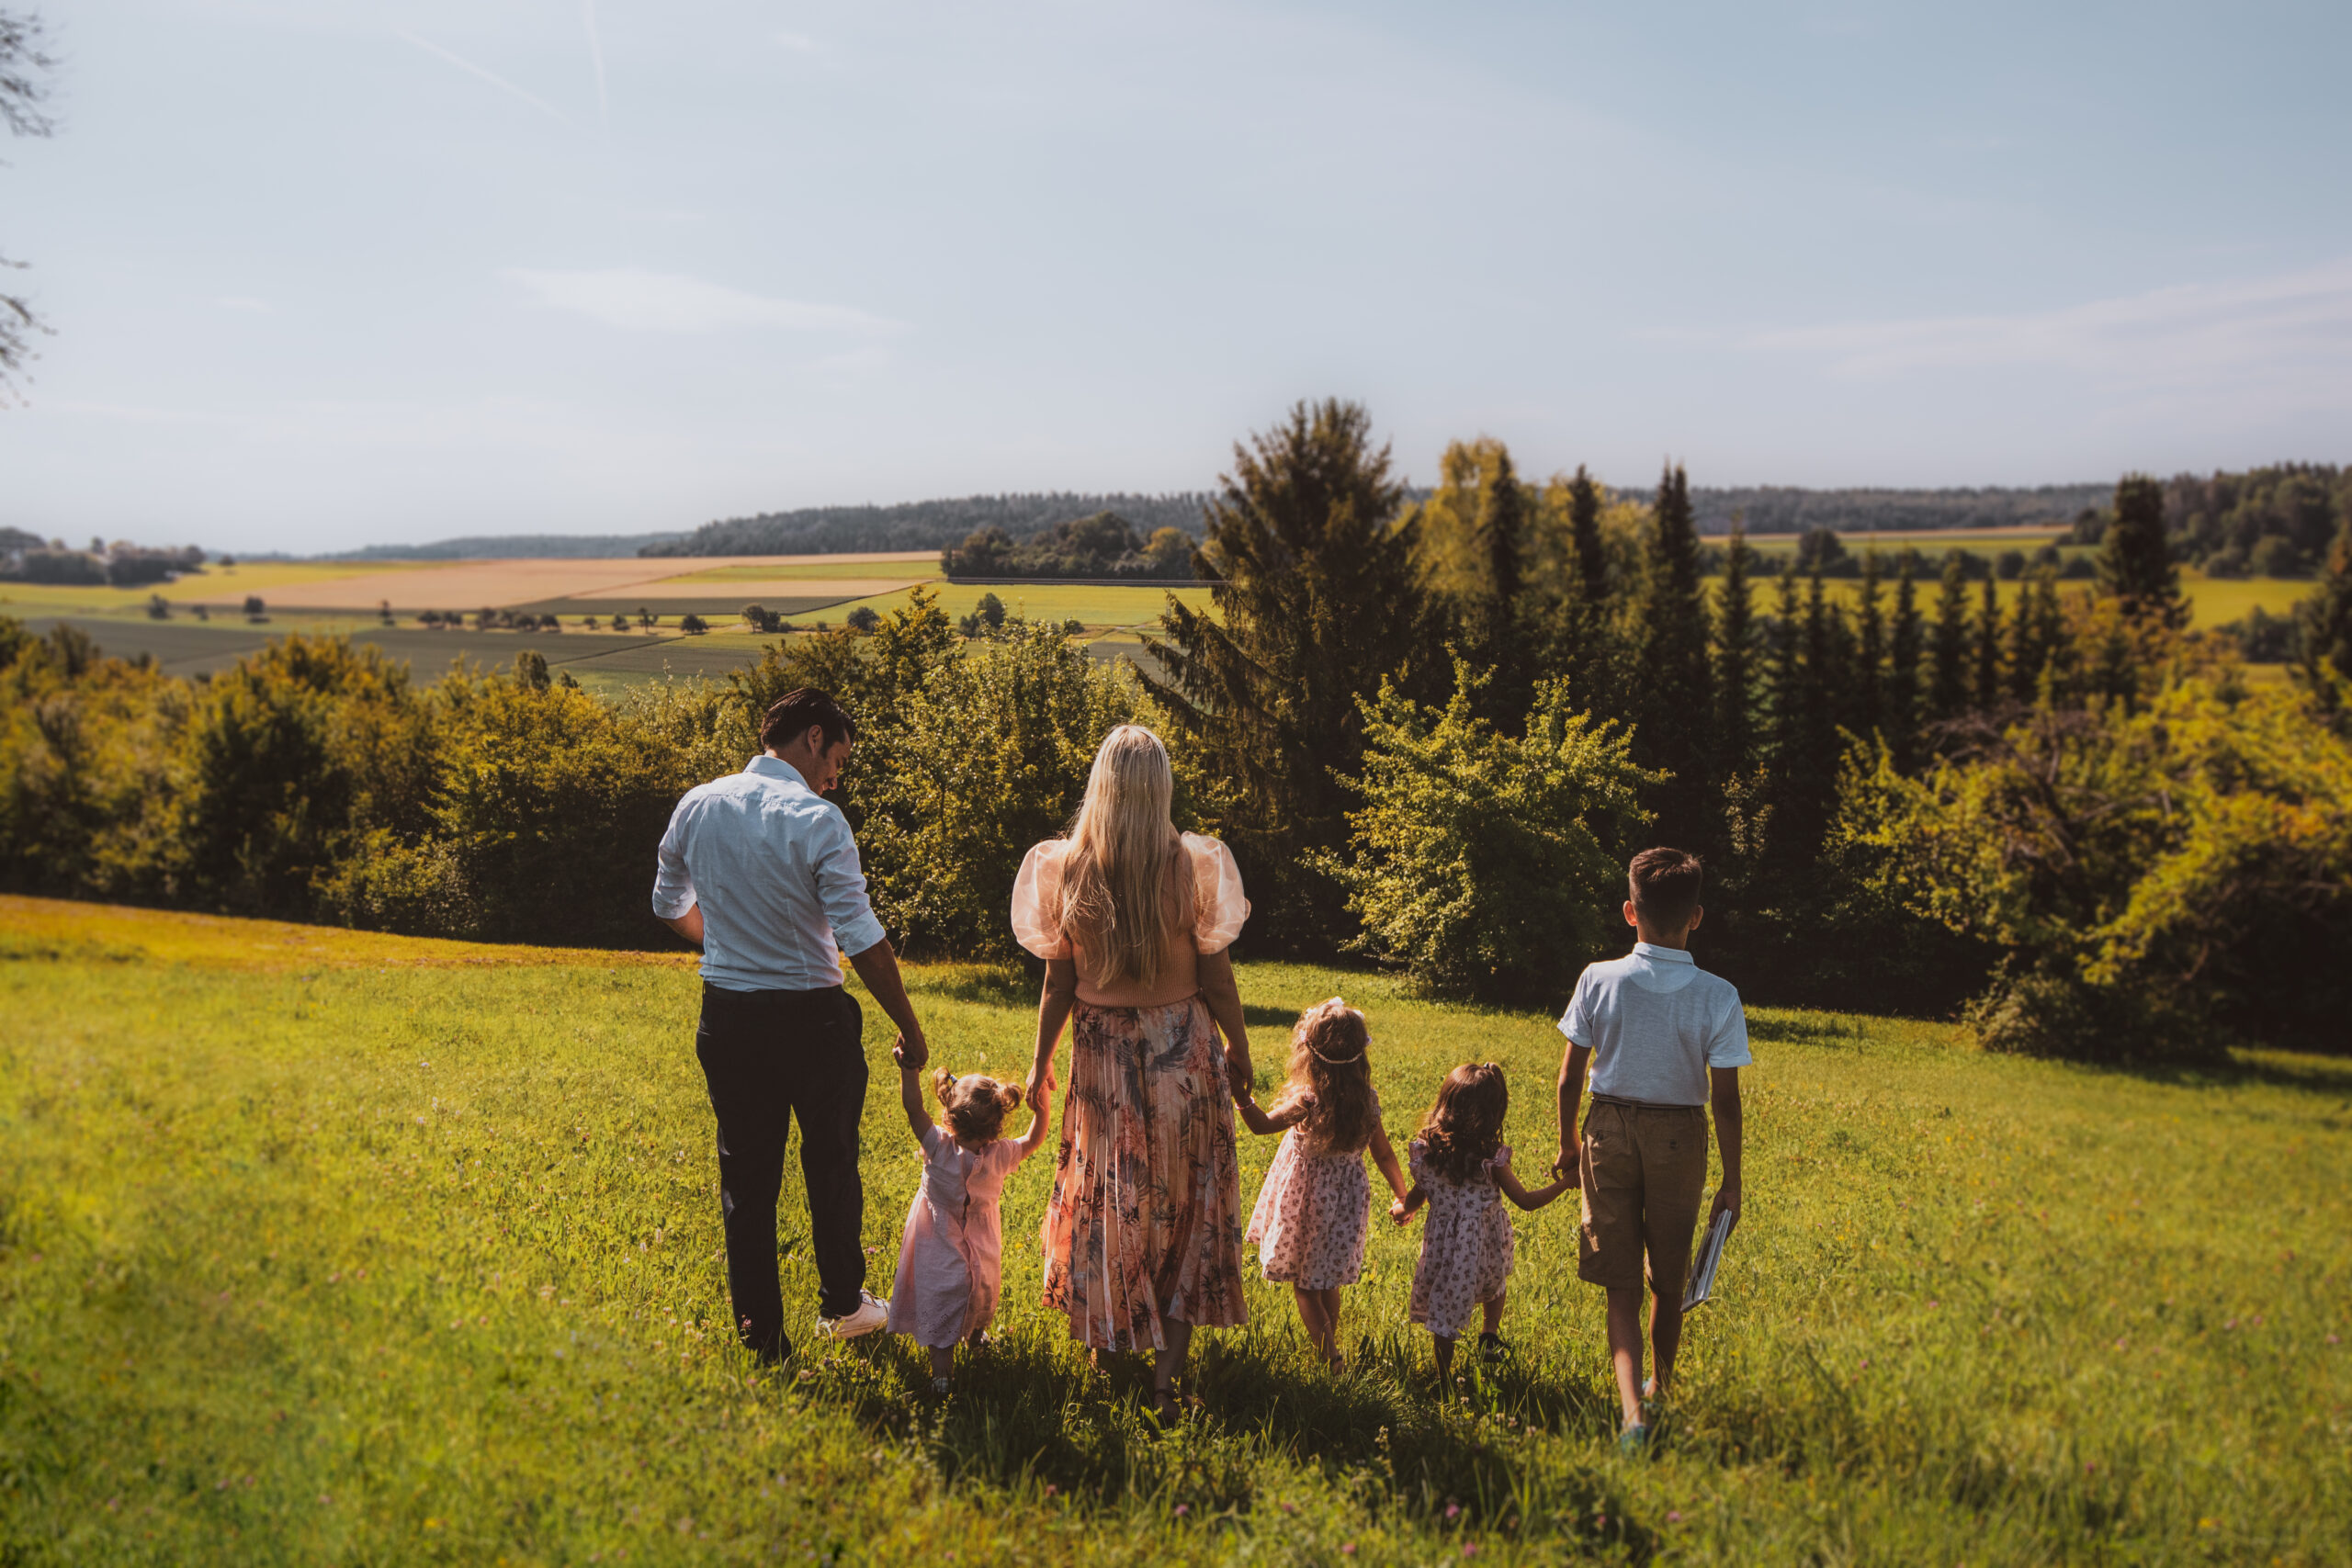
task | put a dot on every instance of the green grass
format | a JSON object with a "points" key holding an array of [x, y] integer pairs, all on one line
{"points": [[2212, 600], [322, 1247]]}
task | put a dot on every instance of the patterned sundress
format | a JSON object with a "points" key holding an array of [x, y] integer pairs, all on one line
{"points": [[1145, 1219], [1313, 1213], [1465, 1247], [951, 1257]]}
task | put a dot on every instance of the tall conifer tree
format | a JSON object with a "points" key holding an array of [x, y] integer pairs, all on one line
{"points": [[1735, 659], [1316, 597], [1948, 691], [1905, 640], [1584, 534], [1987, 693], [1868, 693], [2327, 623], [2135, 563], [1674, 694]]}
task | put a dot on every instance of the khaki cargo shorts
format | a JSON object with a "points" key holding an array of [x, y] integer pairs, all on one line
{"points": [[1644, 1169]]}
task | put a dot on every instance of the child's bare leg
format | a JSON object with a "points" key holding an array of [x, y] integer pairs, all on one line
{"points": [[1169, 1362], [943, 1359], [1495, 1313], [1331, 1323], [1665, 1334], [1444, 1360], [1625, 1347], [1310, 1313]]}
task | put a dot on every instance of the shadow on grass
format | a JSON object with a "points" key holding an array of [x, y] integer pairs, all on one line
{"points": [[1031, 1414], [2309, 1075]]}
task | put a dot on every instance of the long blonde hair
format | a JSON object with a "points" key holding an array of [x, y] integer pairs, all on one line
{"points": [[1119, 898]]}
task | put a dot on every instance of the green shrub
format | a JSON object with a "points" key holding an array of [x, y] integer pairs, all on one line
{"points": [[2165, 882], [1490, 865]]}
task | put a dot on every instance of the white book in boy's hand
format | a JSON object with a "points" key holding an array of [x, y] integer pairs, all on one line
{"points": [[1710, 1256]]}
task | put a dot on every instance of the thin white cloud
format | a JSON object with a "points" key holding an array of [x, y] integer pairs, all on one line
{"points": [[595, 53], [637, 300], [493, 77], [799, 42], [2287, 329], [244, 302]]}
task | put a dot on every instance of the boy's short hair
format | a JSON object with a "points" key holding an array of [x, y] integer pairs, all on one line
{"points": [[797, 711], [1665, 884]]}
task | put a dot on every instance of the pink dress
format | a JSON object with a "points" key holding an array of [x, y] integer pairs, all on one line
{"points": [[1313, 1213], [1465, 1247], [950, 1258]]}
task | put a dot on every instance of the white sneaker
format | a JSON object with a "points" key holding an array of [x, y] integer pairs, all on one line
{"points": [[872, 1314]]}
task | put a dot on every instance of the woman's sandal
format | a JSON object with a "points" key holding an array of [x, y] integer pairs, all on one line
{"points": [[1167, 1408]]}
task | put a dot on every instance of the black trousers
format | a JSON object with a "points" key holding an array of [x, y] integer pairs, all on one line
{"points": [[770, 1056]]}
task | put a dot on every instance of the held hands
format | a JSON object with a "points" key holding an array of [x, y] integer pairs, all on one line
{"points": [[911, 1054], [1569, 1161], [1400, 1212]]}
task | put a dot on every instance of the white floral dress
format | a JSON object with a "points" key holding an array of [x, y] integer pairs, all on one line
{"points": [[1313, 1213], [1465, 1245]]}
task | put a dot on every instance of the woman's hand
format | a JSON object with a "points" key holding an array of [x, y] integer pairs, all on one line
{"points": [[1040, 1081], [1398, 1212]]}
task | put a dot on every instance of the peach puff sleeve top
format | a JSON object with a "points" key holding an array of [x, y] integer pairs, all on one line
{"points": [[1216, 905]]}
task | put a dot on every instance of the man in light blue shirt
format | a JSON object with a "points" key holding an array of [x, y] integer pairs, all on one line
{"points": [[763, 872]]}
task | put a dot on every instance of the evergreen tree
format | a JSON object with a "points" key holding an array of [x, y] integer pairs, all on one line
{"points": [[1906, 639], [1736, 659], [1471, 540], [1948, 691], [1866, 700], [1584, 534], [2035, 634], [1674, 702], [2135, 563], [1316, 597], [2327, 623], [1987, 694]]}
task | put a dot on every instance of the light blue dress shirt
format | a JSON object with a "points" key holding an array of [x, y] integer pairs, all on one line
{"points": [[774, 867]]}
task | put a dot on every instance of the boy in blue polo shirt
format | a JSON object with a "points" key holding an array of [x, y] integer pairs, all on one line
{"points": [[1661, 1039]]}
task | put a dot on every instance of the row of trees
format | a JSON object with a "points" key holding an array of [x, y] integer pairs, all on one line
{"points": [[1431, 730], [1103, 546]]}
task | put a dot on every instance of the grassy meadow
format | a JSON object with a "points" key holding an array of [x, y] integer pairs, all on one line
{"points": [[318, 1247]]}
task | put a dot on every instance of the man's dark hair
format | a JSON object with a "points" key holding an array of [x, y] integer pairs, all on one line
{"points": [[1664, 885], [796, 712]]}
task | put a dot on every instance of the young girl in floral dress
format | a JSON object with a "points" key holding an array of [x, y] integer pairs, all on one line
{"points": [[1314, 1208], [1461, 1170], [951, 1257]]}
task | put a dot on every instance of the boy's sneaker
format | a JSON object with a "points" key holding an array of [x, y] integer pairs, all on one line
{"points": [[1491, 1348], [872, 1314]]}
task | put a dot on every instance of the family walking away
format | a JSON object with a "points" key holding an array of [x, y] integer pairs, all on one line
{"points": [[1142, 1235]]}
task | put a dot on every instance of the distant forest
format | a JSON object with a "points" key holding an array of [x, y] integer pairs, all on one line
{"points": [[945, 524], [494, 546], [1783, 509], [925, 524]]}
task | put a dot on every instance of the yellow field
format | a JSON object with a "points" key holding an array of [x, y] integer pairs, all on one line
{"points": [[921, 566], [2213, 602]]}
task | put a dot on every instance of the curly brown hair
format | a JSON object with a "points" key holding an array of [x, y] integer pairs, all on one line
{"points": [[974, 1105], [1329, 1059], [1465, 1128]]}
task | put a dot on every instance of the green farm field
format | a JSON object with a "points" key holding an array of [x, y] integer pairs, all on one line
{"points": [[2212, 600], [318, 1247]]}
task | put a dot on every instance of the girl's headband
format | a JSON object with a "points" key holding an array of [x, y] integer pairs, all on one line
{"points": [[1339, 1061]]}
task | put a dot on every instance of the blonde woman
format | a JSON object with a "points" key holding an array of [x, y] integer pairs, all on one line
{"points": [[1142, 1235]]}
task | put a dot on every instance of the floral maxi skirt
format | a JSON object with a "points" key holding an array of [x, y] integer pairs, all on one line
{"points": [[1145, 1220]]}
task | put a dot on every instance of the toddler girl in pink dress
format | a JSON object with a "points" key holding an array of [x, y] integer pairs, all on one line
{"points": [[1462, 1171], [1313, 1211], [950, 1258]]}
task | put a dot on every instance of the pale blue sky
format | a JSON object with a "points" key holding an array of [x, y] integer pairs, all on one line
{"points": [[352, 271]]}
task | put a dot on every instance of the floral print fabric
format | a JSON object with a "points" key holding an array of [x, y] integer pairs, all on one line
{"points": [[1145, 1219], [1465, 1247], [1312, 1214]]}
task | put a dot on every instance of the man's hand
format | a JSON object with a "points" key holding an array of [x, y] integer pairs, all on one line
{"points": [[911, 1052], [1726, 1198], [1569, 1161]]}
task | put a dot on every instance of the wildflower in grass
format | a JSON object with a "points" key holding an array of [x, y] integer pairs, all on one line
{"points": [[1453, 1512], [1346, 1549], [1183, 1509], [1469, 1549], [1674, 1515]]}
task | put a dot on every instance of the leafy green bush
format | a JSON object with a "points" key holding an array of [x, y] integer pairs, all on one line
{"points": [[2165, 882], [1490, 865]]}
